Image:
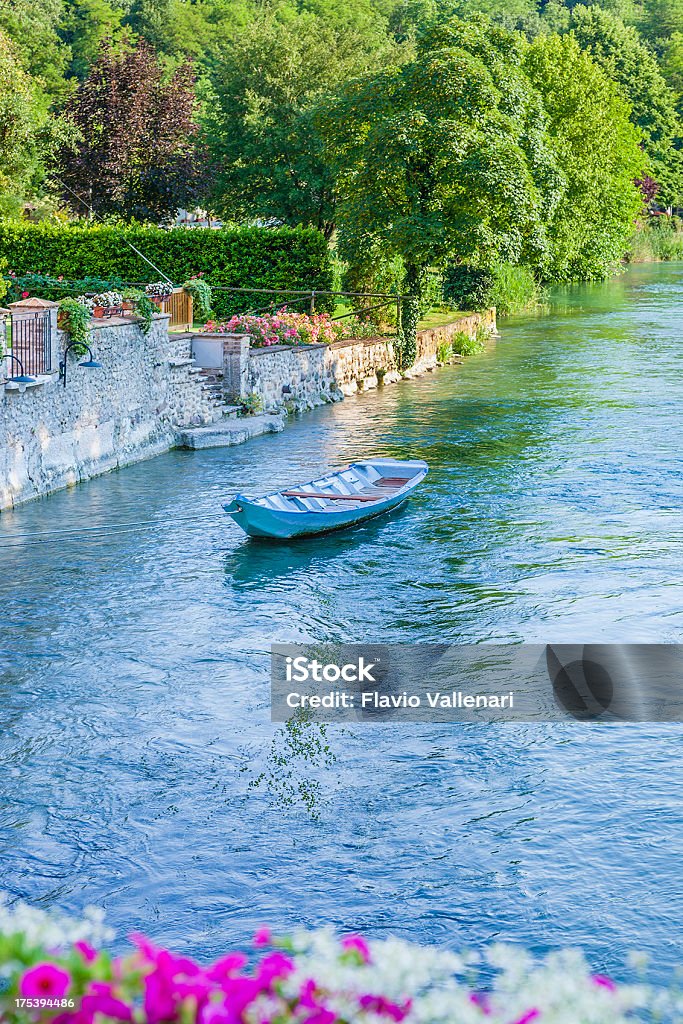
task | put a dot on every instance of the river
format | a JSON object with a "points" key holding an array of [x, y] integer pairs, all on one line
{"points": [[138, 767]]}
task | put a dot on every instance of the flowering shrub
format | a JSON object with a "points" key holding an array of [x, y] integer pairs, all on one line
{"points": [[56, 971], [283, 328]]}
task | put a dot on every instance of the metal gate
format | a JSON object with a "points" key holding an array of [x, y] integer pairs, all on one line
{"points": [[29, 338]]}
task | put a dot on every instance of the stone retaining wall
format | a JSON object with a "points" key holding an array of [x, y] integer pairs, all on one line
{"points": [[53, 436], [309, 375]]}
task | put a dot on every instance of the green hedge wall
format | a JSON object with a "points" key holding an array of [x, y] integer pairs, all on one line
{"points": [[241, 257]]}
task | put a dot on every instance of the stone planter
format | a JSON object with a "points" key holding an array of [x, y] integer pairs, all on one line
{"points": [[98, 311]]}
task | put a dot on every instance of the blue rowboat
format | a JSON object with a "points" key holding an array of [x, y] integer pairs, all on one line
{"points": [[333, 502]]}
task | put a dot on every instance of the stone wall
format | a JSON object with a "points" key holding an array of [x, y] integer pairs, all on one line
{"points": [[52, 436], [303, 377]]}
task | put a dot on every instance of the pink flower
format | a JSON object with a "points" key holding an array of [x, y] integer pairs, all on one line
{"points": [[262, 937], [86, 950], [527, 1017], [481, 1000], [604, 982], [272, 967], [100, 999], [25, 295], [227, 967], [384, 1007], [356, 944], [44, 981]]}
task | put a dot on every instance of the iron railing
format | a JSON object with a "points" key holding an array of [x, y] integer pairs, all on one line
{"points": [[28, 336]]}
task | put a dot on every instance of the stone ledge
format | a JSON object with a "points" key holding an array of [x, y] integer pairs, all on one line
{"points": [[225, 433]]}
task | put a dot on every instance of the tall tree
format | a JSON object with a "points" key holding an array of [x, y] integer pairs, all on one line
{"points": [[436, 161], [259, 120], [597, 149], [630, 62], [23, 115], [139, 155]]}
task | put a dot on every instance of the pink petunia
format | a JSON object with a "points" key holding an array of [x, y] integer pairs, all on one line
{"points": [[88, 952], [262, 937], [604, 982], [356, 944], [25, 295], [101, 999], [385, 1007], [44, 981], [527, 1017]]}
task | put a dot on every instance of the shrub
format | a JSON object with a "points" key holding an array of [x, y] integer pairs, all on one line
{"points": [[74, 319], [308, 977], [283, 328], [238, 257], [55, 288], [511, 289], [444, 351], [464, 345], [201, 295]]}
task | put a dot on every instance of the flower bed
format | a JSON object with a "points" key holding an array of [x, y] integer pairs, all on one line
{"points": [[57, 971], [283, 328]]}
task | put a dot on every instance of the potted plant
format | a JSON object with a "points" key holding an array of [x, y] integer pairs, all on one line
{"points": [[158, 291]]}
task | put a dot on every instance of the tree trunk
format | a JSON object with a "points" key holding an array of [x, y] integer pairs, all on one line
{"points": [[410, 314]]}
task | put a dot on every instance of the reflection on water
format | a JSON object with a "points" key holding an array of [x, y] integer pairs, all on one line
{"points": [[139, 767]]}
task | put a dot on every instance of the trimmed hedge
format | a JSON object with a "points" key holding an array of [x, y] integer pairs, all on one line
{"points": [[240, 257]]}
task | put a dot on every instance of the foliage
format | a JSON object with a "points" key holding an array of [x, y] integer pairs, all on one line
{"points": [[465, 173], [468, 288], [252, 404], [657, 241], [74, 318], [239, 257], [283, 328], [269, 157], [464, 344], [305, 977], [137, 155], [145, 310], [630, 62], [201, 294], [515, 290], [597, 149], [44, 286], [21, 117]]}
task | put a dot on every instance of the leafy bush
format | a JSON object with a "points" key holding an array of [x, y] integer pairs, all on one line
{"points": [[466, 287], [511, 289], [55, 288], [444, 351], [660, 240], [464, 345], [74, 318], [283, 328], [238, 257], [308, 977], [201, 295]]}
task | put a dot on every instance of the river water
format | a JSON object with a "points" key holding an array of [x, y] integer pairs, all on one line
{"points": [[139, 769]]}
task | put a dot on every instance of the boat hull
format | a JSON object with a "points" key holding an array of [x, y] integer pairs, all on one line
{"points": [[260, 522], [260, 517]]}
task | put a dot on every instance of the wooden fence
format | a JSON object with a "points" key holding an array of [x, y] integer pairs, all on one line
{"points": [[179, 305]]}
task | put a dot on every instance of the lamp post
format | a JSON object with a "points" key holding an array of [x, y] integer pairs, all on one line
{"points": [[23, 378], [90, 363]]}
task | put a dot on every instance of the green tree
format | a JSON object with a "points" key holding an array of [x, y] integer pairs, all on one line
{"points": [[22, 117], [88, 27], [259, 118], [627, 60], [436, 161], [33, 27], [597, 149]]}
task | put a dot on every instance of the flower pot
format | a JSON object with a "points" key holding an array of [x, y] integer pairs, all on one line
{"points": [[127, 307], [98, 311]]}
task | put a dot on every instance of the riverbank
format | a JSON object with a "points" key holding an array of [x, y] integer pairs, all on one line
{"points": [[155, 392]]}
